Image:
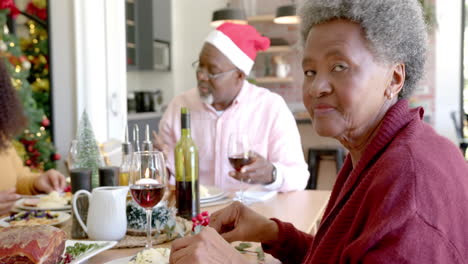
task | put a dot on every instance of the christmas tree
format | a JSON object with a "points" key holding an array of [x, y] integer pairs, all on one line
{"points": [[36, 50], [88, 155], [36, 147]]}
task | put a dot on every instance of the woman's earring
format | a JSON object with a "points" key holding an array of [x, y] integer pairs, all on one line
{"points": [[390, 97]]}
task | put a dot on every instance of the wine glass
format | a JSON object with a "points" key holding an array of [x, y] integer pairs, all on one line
{"points": [[148, 183], [239, 154]]}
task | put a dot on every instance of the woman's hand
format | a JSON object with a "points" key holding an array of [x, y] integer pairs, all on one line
{"points": [[51, 180], [7, 200], [237, 222], [206, 247], [258, 172]]}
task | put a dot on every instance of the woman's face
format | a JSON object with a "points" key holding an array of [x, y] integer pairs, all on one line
{"points": [[344, 85]]}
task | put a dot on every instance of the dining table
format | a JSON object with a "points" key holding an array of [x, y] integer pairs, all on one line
{"points": [[303, 209]]}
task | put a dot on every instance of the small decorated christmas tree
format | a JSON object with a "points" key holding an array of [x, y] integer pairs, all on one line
{"points": [[88, 155]]}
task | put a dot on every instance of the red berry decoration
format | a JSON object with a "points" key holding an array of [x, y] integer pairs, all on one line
{"points": [[28, 162], [202, 219]]}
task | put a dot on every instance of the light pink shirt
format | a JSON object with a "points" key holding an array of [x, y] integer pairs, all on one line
{"points": [[263, 115]]}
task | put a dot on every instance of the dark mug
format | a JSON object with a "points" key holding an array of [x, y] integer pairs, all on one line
{"points": [[80, 179], [109, 176]]}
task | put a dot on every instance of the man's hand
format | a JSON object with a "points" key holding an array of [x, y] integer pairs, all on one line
{"points": [[159, 144], [259, 171], [7, 200], [51, 180], [207, 247]]}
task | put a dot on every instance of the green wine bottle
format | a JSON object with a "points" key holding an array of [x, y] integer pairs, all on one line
{"points": [[186, 170]]}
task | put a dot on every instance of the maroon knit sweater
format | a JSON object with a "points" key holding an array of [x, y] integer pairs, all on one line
{"points": [[406, 201]]}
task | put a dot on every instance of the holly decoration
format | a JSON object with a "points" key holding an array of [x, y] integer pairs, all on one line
{"points": [[198, 222]]}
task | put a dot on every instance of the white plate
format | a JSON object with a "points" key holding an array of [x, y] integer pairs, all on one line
{"points": [[213, 193], [19, 204], [120, 261], [81, 258], [127, 259], [62, 217]]}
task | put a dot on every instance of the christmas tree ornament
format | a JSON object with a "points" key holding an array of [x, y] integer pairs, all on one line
{"points": [[56, 156], [26, 65], [3, 46], [45, 122]]}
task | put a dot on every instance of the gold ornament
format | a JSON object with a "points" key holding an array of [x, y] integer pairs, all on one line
{"points": [[40, 3]]}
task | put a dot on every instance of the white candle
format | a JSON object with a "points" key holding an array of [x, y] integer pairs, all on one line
{"points": [[145, 181]]}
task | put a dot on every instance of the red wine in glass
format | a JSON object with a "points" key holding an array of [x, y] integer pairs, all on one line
{"points": [[239, 161], [147, 195]]}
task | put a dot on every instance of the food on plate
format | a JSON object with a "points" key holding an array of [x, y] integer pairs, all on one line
{"points": [[41, 244], [204, 192], [152, 256], [76, 250], [32, 202], [32, 218], [53, 200]]}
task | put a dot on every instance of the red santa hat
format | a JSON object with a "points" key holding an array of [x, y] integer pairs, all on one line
{"points": [[240, 43]]}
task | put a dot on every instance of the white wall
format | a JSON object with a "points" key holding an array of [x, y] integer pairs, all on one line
{"points": [[63, 75], [100, 65], [190, 25], [448, 68]]}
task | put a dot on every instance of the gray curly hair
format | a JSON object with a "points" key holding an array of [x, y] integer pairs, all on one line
{"points": [[395, 29]]}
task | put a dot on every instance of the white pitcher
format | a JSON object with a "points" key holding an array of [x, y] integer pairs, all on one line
{"points": [[107, 218]]}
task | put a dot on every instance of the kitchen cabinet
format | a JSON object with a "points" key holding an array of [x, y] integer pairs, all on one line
{"points": [[148, 33], [139, 32]]}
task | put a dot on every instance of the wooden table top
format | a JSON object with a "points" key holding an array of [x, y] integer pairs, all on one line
{"points": [[301, 208]]}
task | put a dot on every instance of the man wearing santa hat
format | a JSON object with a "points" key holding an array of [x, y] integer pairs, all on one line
{"points": [[224, 103]]}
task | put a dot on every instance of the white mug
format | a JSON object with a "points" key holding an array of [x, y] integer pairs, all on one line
{"points": [[107, 216], [282, 70]]}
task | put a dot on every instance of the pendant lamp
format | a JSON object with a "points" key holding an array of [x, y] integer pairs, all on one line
{"points": [[228, 14], [286, 14]]}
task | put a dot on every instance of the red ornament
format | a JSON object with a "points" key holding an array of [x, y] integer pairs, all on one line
{"points": [[28, 162], [10, 4], [45, 122], [36, 11], [56, 156]]}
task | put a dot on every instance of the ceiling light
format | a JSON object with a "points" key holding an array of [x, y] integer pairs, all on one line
{"points": [[228, 14], [286, 15]]}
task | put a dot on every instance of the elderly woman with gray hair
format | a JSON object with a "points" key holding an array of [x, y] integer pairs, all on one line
{"points": [[402, 194]]}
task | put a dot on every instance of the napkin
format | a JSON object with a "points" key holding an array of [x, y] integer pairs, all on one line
{"points": [[257, 194]]}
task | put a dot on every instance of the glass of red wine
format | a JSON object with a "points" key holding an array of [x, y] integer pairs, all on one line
{"points": [[148, 183], [239, 154]]}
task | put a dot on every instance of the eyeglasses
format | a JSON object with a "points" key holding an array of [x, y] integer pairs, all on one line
{"points": [[211, 76]]}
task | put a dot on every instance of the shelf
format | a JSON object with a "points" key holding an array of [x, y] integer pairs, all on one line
{"points": [[145, 115], [261, 18], [273, 49], [271, 79]]}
